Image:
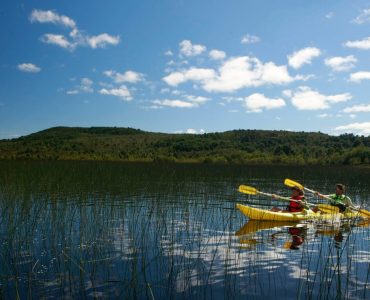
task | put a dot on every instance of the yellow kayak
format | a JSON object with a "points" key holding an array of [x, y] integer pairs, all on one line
{"points": [[267, 215]]}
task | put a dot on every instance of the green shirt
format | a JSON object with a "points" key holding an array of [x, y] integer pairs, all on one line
{"points": [[340, 199]]}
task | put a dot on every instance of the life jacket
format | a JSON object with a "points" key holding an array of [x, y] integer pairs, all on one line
{"points": [[294, 206], [338, 201]]}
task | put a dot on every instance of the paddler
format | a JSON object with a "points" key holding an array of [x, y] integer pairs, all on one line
{"points": [[339, 199], [294, 206]]}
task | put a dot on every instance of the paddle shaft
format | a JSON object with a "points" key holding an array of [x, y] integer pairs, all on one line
{"points": [[278, 197]]}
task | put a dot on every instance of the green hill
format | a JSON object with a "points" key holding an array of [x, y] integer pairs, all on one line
{"points": [[237, 146]]}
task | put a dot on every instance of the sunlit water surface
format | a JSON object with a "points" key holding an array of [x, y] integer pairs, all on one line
{"points": [[144, 231]]}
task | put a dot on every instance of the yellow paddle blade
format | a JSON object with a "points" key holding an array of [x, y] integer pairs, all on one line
{"points": [[292, 183], [364, 213], [247, 190]]}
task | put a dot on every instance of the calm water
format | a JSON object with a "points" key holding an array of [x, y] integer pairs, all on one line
{"points": [[142, 231]]}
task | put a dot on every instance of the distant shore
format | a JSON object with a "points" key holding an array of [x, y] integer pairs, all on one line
{"points": [[241, 147]]}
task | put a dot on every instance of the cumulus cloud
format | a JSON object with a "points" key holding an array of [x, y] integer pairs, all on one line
{"points": [[176, 103], [48, 16], [357, 109], [58, 40], [129, 76], [191, 131], [28, 67], [357, 128], [233, 74], [303, 56], [189, 101], [168, 53], [217, 54], [189, 49], [250, 39], [363, 44], [121, 92], [192, 74], [257, 102], [101, 40], [339, 64], [307, 99], [76, 37], [85, 86], [363, 17], [359, 76]]}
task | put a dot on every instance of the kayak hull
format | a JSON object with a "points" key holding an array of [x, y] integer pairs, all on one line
{"points": [[266, 215]]}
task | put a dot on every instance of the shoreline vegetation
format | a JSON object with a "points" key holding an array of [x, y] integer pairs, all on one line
{"points": [[230, 147]]}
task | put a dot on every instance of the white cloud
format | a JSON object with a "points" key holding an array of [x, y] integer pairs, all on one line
{"points": [[340, 64], [257, 102], [174, 103], [197, 99], [58, 40], [84, 87], [244, 71], [101, 40], [188, 49], [357, 108], [194, 131], [189, 102], [28, 67], [168, 53], [363, 44], [323, 116], [307, 99], [234, 74], [73, 92], [359, 76], [191, 131], [48, 16], [217, 54], [193, 74], [303, 56], [250, 39], [128, 76], [121, 92], [363, 17], [357, 128], [76, 37]]}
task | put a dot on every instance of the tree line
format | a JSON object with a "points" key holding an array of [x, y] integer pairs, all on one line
{"points": [[230, 147]]}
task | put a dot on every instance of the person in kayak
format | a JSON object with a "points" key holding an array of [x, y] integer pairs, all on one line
{"points": [[339, 199], [294, 206]]}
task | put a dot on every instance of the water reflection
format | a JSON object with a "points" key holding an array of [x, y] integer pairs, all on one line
{"points": [[84, 230]]}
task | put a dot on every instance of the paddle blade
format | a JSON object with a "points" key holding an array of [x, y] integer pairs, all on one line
{"points": [[292, 183], [364, 213], [247, 190]]}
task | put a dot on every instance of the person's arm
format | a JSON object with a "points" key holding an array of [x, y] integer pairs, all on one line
{"points": [[348, 201]]}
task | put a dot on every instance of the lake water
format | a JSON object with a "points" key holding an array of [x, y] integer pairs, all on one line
{"points": [[147, 231]]}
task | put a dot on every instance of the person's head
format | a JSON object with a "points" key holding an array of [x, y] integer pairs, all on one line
{"points": [[340, 189], [296, 191]]}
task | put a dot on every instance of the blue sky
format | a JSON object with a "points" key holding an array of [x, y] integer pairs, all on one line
{"points": [[185, 66]]}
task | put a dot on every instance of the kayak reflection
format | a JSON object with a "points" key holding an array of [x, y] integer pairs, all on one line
{"points": [[292, 235]]}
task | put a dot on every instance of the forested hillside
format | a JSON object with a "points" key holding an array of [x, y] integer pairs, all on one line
{"points": [[237, 146]]}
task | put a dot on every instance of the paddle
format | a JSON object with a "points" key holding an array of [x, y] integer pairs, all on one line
{"points": [[291, 183], [323, 207], [245, 189]]}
